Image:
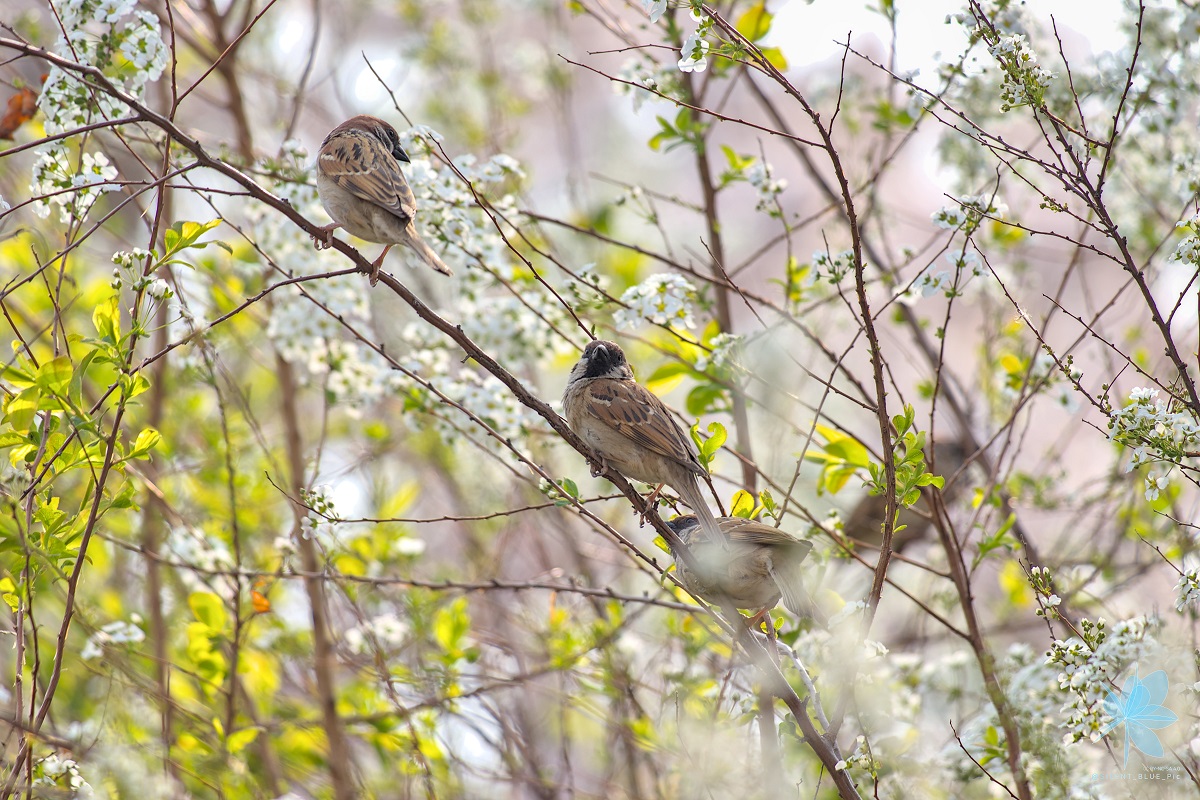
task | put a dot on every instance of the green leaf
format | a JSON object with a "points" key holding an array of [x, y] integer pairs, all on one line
{"points": [[183, 235], [107, 319], [755, 22], [775, 58], [55, 376], [450, 625], [708, 447], [8, 593], [146, 441], [75, 390], [703, 398], [238, 740], [743, 505], [22, 409], [16, 375], [667, 377], [209, 610]]}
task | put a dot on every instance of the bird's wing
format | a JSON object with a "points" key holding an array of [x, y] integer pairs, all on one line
{"points": [[756, 533], [360, 165], [634, 412]]}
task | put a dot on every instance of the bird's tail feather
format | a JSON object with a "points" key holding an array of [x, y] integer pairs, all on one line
{"points": [[793, 598], [418, 246], [692, 496]]}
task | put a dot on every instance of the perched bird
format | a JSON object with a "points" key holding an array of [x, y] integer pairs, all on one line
{"points": [[632, 430], [364, 191], [759, 565]]}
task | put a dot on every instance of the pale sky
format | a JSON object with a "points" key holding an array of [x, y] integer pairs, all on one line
{"points": [[808, 32]]}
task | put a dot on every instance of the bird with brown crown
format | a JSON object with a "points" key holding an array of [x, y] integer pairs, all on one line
{"points": [[632, 430], [363, 190]]}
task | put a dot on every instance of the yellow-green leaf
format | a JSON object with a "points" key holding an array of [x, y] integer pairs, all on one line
{"points": [[238, 740], [107, 319], [755, 22], [666, 377], [208, 609], [23, 408], [743, 505], [55, 376], [1015, 585], [146, 441]]}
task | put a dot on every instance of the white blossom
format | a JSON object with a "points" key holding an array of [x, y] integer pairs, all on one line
{"points": [[158, 289], [1089, 666], [110, 11], [694, 53], [1188, 590], [1188, 249], [118, 632], [832, 268], [664, 299], [1025, 82], [386, 631], [725, 352], [654, 8], [761, 176]]}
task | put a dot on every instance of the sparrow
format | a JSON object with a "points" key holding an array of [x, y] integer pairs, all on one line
{"points": [[758, 566], [632, 430], [362, 188]]}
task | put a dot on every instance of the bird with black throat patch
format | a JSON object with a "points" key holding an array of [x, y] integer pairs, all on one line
{"points": [[633, 431]]}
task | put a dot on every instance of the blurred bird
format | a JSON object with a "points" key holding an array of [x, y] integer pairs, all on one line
{"points": [[363, 190], [864, 522], [632, 430], [758, 566]]}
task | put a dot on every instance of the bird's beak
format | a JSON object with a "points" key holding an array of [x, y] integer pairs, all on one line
{"points": [[400, 155]]}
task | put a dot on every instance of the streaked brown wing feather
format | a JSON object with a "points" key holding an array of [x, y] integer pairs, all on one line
{"points": [[637, 414], [755, 533], [360, 165]]}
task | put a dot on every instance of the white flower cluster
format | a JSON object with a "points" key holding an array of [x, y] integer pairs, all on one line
{"points": [[127, 45], [63, 774], [967, 266], [73, 186], [1188, 250], [350, 373], [387, 632], [100, 30], [206, 553], [322, 515], [1025, 82], [448, 209], [1188, 590], [1090, 666], [969, 213], [14, 482], [588, 290], [491, 400], [664, 299], [500, 305], [726, 352], [694, 53], [647, 77], [831, 268], [1156, 434], [861, 757], [761, 177], [118, 632], [1187, 165]]}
